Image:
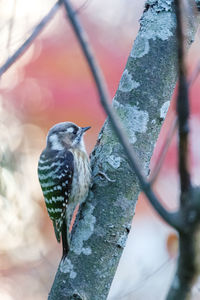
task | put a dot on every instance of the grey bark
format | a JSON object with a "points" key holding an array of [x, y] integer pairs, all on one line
{"points": [[141, 101]]}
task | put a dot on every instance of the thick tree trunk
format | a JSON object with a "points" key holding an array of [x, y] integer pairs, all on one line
{"points": [[141, 101]]}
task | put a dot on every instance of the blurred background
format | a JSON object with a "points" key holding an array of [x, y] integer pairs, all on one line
{"points": [[51, 83]]}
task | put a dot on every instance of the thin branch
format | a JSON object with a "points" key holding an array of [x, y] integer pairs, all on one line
{"points": [[192, 12], [188, 261], [163, 152], [82, 6], [37, 30], [170, 218], [11, 24], [182, 106]]}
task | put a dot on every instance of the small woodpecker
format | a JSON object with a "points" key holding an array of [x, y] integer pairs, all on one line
{"points": [[64, 174]]}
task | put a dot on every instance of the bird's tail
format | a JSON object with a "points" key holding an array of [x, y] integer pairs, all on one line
{"points": [[65, 242], [61, 229]]}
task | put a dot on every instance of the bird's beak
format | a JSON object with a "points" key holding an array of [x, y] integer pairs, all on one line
{"points": [[84, 129]]}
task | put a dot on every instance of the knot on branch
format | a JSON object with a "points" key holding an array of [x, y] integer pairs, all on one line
{"points": [[76, 296]]}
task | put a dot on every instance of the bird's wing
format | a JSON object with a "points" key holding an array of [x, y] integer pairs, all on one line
{"points": [[55, 172]]}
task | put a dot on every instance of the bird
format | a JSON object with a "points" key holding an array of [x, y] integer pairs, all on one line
{"points": [[64, 175]]}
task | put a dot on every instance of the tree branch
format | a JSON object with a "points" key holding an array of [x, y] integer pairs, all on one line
{"points": [[182, 106], [188, 267], [116, 124], [37, 30], [141, 102], [11, 23]]}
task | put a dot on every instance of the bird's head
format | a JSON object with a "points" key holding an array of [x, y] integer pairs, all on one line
{"points": [[66, 135]]}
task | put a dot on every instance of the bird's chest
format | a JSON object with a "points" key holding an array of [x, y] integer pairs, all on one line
{"points": [[81, 177]]}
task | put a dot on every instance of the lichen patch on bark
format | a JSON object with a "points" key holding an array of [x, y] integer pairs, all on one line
{"points": [[157, 23], [127, 83], [84, 232], [164, 109], [134, 119], [67, 267]]}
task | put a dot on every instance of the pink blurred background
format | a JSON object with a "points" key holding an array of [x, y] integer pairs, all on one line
{"points": [[51, 83]]}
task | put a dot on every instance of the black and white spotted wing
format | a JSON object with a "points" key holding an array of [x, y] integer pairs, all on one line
{"points": [[55, 172]]}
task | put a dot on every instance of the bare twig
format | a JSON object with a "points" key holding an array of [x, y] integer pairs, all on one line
{"points": [[188, 262], [163, 152], [82, 6], [11, 60], [182, 106], [11, 23], [170, 218]]}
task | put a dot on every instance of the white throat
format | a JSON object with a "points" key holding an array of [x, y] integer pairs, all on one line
{"points": [[79, 143], [82, 145]]}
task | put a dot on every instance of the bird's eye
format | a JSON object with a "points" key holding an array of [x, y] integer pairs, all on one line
{"points": [[75, 130]]}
